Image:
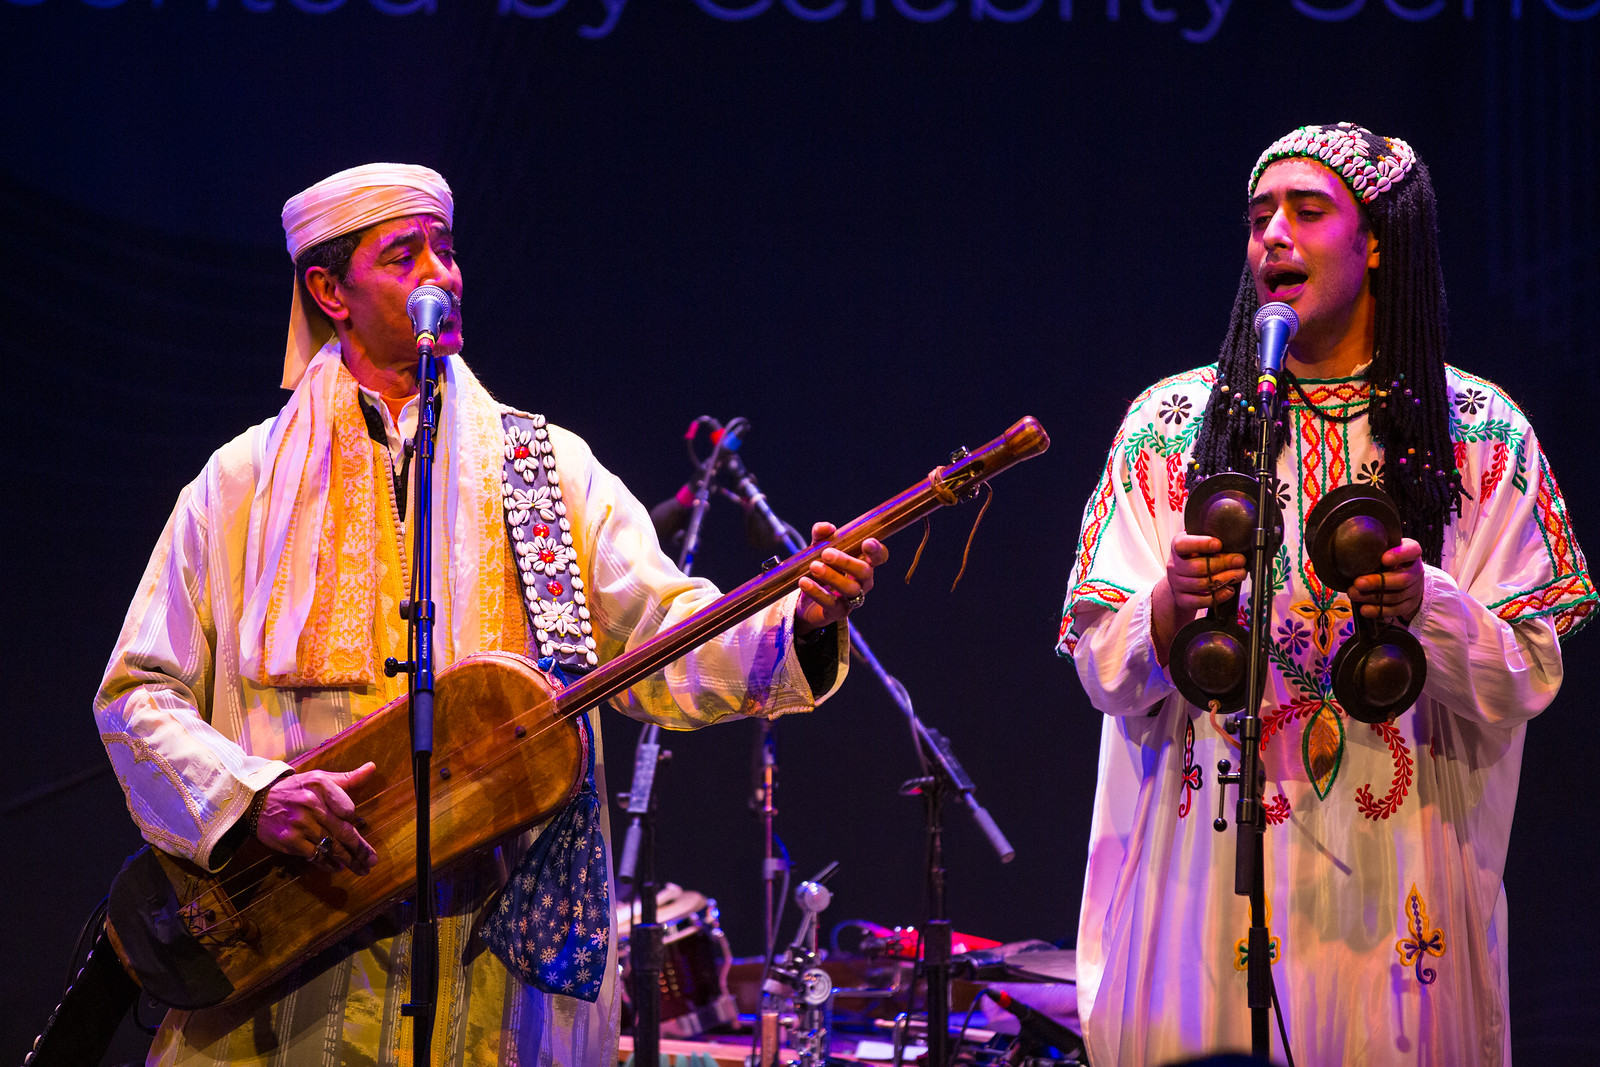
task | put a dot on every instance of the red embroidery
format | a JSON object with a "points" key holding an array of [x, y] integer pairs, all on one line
{"points": [[1103, 592], [1399, 787], [1310, 484], [1277, 810], [1177, 486], [1551, 512], [1141, 470], [1191, 771], [1540, 600], [1099, 512], [1324, 394], [1280, 718], [1497, 470]]}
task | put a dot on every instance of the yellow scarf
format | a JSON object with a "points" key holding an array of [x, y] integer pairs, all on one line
{"points": [[311, 560]]}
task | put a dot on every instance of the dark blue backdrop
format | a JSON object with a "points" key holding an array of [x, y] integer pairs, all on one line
{"points": [[879, 232]]}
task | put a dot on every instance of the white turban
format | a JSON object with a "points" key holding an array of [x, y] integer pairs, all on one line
{"points": [[343, 203]]}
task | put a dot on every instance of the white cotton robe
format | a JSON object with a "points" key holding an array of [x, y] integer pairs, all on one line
{"points": [[1386, 844]]}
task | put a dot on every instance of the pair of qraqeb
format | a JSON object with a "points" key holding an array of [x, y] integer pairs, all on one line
{"points": [[1377, 672]]}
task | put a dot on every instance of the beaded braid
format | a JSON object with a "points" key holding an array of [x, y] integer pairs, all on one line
{"points": [[1409, 415]]}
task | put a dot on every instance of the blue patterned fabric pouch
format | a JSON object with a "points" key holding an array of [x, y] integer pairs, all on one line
{"points": [[552, 924], [552, 927]]}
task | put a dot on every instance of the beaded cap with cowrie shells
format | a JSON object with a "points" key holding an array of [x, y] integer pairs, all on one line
{"points": [[1368, 164]]}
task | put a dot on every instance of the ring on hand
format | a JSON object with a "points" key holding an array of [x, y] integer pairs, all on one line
{"points": [[324, 849], [854, 602]]}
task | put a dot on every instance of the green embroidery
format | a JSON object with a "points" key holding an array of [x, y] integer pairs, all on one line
{"points": [[1322, 749]]}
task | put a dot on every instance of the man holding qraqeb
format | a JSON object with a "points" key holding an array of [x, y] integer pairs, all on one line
{"points": [[272, 600], [1386, 842]]}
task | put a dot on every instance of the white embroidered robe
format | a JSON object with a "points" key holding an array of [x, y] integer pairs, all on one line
{"points": [[1386, 844]]}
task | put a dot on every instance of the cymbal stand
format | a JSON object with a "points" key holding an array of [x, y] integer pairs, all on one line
{"points": [[646, 940], [800, 976]]}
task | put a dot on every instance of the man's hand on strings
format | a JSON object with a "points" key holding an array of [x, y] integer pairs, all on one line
{"points": [[312, 816], [1199, 575], [1396, 591], [837, 582]]}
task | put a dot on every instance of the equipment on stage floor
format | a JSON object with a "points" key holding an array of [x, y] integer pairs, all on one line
{"points": [[800, 979], [695, 962], [942, 774]]}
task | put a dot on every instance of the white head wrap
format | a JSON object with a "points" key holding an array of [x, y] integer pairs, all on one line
{"points": [[343, 203]]}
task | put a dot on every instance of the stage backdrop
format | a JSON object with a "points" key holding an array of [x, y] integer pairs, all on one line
{"points": [[879, 229]]}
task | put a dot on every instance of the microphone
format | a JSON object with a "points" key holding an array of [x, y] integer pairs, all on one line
{"points": [[1276, 324], [1035, 1023], [427, 307], [671, 515]]}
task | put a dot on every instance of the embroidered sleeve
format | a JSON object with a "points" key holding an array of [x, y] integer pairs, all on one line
{"points": [[1514, 580], [1520, 556], [1122, 546], [1128, 524]]}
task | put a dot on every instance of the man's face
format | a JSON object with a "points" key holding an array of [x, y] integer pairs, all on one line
{"points": [[1309, 249], [393, 258]]}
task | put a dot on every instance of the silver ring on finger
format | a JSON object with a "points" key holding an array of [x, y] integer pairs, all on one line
{"points": [[854, 602], [324, 849]]}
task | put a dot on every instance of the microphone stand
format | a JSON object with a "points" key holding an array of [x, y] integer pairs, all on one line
{"points": [[1249, 876], [419, 612], [940, 772], [646, 943]]}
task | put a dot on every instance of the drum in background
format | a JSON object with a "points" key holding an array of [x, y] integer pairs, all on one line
{"points": [[695, 962]]}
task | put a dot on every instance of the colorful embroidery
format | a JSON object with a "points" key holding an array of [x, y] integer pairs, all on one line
{"points": [[1091, 592], [1419, 941], [1327, 620], [1177, 485], [1277, 809], [1322, 748], [1241, 947], [1191, 771], [1569, 598], [1175, 409], [1497, 470], [1399, 786]]}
